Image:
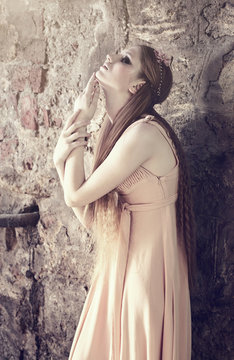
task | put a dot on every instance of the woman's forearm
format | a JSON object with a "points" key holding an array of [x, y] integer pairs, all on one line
{"points": [[74, 174], [60, 171], [78, 211]]}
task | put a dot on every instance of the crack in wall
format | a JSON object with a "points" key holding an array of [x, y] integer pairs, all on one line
{"points": [[126, 19], [219, 71], [205, 17]]}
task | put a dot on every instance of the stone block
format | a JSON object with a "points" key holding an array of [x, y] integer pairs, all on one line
{"points": [[58, 122], [46, 118], [20, 76], [24, 76], [35, 79], [8, 41], [35, 51], [48, 220], [7, 147], [27, 18], [29, 113]]}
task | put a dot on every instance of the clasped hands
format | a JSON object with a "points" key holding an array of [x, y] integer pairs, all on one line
{"points": [[74, 133]]}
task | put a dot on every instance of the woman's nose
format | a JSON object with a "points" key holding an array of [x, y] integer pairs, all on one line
{"points": [[108, 58]]}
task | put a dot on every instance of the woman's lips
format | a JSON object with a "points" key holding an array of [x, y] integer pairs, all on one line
{"points": [[105, 66]]}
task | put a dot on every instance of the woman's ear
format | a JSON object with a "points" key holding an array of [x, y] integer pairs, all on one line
{"points": [[134, 87]]}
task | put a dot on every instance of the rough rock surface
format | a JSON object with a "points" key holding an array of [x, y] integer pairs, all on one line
{"points": [[48, 49]]}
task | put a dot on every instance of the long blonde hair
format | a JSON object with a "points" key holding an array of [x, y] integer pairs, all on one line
{"points": [[105, 211]]}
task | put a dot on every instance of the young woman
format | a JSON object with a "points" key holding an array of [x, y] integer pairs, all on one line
{"points": [[137, 202]]}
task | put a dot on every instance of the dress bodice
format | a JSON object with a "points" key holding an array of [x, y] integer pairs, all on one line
{"points": [[142, 184]]}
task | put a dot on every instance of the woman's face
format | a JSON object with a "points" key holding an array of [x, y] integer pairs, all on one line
{"points": [[120, 70]]}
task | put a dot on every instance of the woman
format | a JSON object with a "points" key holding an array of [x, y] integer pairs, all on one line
{"points": [[137, 202]]}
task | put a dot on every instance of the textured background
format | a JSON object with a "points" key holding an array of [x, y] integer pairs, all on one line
{"points": [[48, 50]]}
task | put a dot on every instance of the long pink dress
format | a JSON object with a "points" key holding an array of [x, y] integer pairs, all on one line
{"points": [[138, 308]]}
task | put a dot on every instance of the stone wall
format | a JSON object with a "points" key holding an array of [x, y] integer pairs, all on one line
{"points": [[48, 50]]}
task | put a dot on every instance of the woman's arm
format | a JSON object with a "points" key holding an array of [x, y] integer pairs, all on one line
{"points": [[79, 210], [73, 137], [74, 171], [131, 150], [68, 140]]}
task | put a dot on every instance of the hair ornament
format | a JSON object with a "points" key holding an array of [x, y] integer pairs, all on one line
{"points": [[162, 58]]}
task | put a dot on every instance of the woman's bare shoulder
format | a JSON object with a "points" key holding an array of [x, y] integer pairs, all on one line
{"points": [[143, 129]]}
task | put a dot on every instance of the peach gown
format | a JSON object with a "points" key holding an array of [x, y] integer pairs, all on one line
{"points": [[138, 308]]}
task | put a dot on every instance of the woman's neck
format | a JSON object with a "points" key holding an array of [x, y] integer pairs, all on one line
{"points": [[114, 102]]}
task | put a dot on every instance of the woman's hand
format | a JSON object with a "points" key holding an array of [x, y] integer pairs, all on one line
{"points": [[87, 100], [73, 135]]}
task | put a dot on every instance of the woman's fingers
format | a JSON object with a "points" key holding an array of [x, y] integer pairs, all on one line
{"points": [[92, 84], [96, 93], [77, 144], [85, 100], [89, 84], [91, 80], [72, 119], [75, 127], [76, 136]]}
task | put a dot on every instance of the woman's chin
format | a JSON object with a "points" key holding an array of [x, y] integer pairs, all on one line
{"points": [[97, 74], [99, 79]]}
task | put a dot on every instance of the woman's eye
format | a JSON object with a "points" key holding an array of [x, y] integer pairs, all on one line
{"points": [[126, 60]]}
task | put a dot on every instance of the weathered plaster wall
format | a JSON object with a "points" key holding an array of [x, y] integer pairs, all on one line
{"points": [[48, 49]]}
